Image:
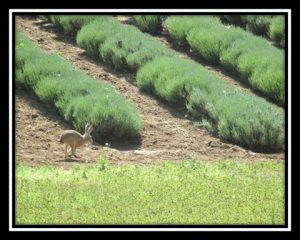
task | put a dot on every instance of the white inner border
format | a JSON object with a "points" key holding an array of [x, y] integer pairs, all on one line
{"points": [[11, 11]]}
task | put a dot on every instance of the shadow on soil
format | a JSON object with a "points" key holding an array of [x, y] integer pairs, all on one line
{"points": [[70, 161], [52, 115], [47, 111]]}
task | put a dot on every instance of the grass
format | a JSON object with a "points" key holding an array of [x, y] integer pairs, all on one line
{"points": [[224, 192], [234, 116], [76, 96], [148, 23], [253, 58]]}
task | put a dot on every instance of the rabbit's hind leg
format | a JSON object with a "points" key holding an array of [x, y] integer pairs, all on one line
{"points": [[66, 151], [73, 150]]}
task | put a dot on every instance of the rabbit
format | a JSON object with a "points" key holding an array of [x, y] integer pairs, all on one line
{"points": [[75, 139]]}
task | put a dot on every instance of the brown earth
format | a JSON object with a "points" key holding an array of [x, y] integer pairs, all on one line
{"points": [[167, 134]]}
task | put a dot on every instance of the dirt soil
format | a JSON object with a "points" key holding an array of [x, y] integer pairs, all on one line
{"points": [[167, 134]]}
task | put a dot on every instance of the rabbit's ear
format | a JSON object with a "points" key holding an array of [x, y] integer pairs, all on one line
{"points": [[90, 129], [86, 127]]}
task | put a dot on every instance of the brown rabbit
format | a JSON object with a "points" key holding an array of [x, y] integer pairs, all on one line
{"points": [[75, 139]]}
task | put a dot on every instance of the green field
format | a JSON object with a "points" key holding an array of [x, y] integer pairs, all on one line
{"points": [[224, 192]]}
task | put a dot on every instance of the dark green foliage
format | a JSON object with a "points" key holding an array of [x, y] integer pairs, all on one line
{"points": [[258, 24], [258, 63], [277, 30], [270, 26], [148, 23], [232, 19], [71, 24], [236, 117], [79, 98]]}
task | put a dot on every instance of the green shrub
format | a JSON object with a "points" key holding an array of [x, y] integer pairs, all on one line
{"points": [[270, 26], [258, 24], [156, 77], [120, 45], [180, 26], [92, 36], [239, 118], [24, 49], [232, 19], [76, 96], [209, 44], [148, 23], [237, 50], [71, 24], [277, 30]]}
